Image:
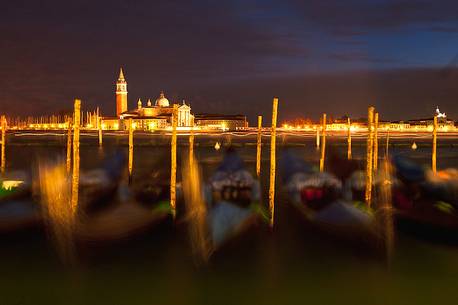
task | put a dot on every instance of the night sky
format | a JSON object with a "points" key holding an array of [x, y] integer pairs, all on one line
{"points": [[233, 56]]}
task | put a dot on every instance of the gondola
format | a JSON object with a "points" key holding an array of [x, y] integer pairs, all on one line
{"points": [[233, 203], [136, 209], [22, 204], [426, 204], [98, 187], [18, 208], [18, 215], [327, 204], [233, 199]]}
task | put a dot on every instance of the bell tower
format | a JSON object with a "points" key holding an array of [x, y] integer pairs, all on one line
{"points": [[121, 94]]}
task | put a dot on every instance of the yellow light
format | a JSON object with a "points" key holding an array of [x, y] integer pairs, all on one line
{"points": [[10, 184]]}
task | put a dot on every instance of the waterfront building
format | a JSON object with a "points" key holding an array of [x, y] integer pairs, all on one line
{"points": [[159, 115], [413, 125], [146, 117], [221, 121], [426, 124]]}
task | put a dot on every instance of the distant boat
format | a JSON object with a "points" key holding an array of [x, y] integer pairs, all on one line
{"points": [[414, 146]]}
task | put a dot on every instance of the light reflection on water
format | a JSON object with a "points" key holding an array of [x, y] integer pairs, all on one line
{"points": [[385, 210], [55, 190], [196, 210]]}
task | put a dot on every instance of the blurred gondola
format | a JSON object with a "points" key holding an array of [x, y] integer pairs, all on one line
{"points": [[426, 203]]}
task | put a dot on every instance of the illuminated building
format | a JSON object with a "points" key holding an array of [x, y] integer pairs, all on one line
{"points": [[159, 115], [426, 124], [439, 114], [220, 121], [149, 116], [414, 125]]}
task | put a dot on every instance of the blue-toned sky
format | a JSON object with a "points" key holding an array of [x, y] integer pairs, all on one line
{"points": [[233, 56]]}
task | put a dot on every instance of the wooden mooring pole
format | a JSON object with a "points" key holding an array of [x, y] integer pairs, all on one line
{"points": [[258, 147], [349, 156], [434, 153], [173, 167], [3, 158], [273, 135], [323, 142], [369, 154], [76, 154]]}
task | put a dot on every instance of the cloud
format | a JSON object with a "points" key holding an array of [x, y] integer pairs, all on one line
{"points": [[444, 29], [359, 56], [340, 16]]}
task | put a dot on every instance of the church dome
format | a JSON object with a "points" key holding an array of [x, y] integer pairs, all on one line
{"points": [[162, 101]]}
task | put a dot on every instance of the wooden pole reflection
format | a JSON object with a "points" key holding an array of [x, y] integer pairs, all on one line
{"points": [[386, 211]]}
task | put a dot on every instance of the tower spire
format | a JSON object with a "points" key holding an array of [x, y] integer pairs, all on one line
{"points": [[121, 94], [121, 74]]}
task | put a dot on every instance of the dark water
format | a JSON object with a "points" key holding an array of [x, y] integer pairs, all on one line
{"points": [[290, 265]]}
